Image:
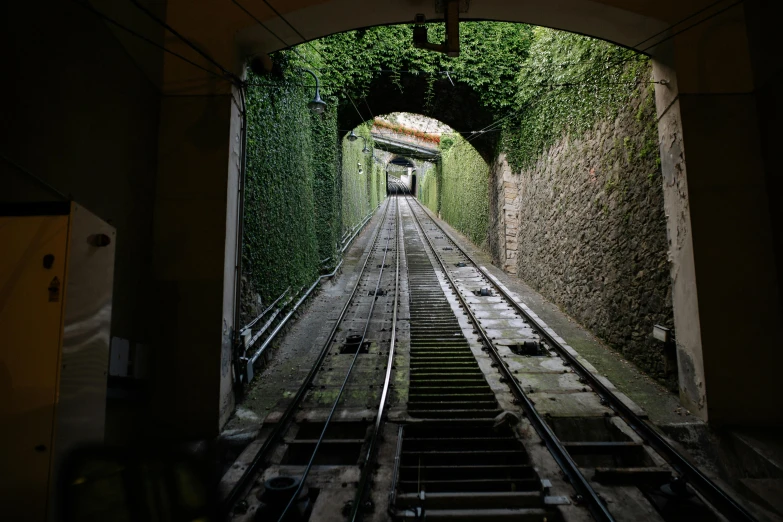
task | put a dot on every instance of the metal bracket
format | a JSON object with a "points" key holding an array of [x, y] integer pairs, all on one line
{"points": [[451, 10]]}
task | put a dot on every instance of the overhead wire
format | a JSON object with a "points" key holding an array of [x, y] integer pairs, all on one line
{"points": [[494, 126], [453, 74], [683, 20], [309, 43], [186, 41], [695, 24], [691, 26], [637, 47], [151, 42], [287, 45]]}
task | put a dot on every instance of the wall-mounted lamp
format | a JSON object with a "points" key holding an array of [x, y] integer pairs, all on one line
{"points": [[317, 105], [353, 137]]}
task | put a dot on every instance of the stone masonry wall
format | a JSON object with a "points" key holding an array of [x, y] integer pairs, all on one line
{"points": [[504, 213], [586, 227]]}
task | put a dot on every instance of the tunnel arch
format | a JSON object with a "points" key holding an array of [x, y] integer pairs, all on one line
{"points": [[457, 105], [602, 19], [402, 161], [691, 85]]}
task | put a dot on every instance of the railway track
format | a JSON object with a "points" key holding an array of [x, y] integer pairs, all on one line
{"points": [[439, 396]]}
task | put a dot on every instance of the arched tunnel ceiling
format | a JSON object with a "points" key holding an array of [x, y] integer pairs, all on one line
{"points": [[456, 105], [230, 35], [625, 22], [402, 161]]}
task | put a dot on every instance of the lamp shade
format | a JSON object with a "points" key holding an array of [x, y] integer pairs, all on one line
{"points": [[317, 105]]}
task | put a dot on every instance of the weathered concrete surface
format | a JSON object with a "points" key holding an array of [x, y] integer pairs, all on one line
{"points": [[725, 268], [684, 291]]}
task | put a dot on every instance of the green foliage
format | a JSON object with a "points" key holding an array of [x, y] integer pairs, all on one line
{"points": [[361, 191], [464, 190], [491, 53], [280, 245], [566, 84], [428, 188], [304, 187], [298, 200], [326, 181]]}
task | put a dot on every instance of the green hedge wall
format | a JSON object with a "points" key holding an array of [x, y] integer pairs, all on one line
{"points": [[327, 182], [298, 201], [428, 189], [464, 191], [292, 189], [360, 192]]}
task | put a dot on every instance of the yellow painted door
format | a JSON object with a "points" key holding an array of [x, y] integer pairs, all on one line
{"points": [[32, 272]]}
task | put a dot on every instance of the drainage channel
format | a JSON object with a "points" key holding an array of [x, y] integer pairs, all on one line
{"points": [[445, 379], [455, 462]]}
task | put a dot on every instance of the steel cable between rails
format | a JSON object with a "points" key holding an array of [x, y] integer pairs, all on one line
{"points": [[367, 464], [309, 465], [709, 490], [248, 476], [596, 506]]}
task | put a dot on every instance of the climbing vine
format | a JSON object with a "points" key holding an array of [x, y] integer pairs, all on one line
{"points": [[428, 189], [464, 200], [364, 185], [491, 54], [567, 83], [305, 188], [280, 247]]}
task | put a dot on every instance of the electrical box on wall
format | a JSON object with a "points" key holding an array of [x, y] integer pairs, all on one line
{"points": [[56, 275]]}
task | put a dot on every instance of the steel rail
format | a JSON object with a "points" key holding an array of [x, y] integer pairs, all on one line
{"points": [[248, 476], [368, 463], [719, 499], [395, 471], [306, 471], [559, 453]]}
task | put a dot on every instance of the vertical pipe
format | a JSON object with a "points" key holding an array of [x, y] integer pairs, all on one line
{"points": [[240, 224]]}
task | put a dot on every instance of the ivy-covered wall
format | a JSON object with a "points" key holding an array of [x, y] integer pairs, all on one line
{"points": [[363, 180], [566, 83], [428, 189], [464, 190], [280, 247], [298, 200], [327, 182], [575, 192]]}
